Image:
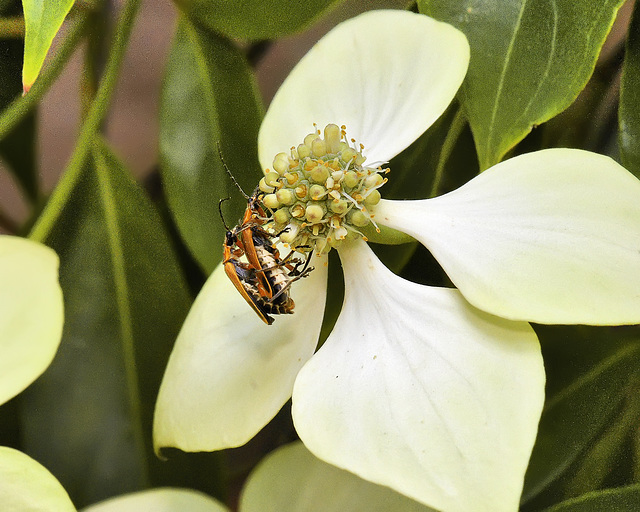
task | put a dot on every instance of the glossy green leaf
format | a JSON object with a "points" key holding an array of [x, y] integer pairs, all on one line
{"points": [[624, 499], [608, 451], [159, 500], [256, 19], [27, 486], [209, 98], [88, 418], [629, 111], [292, 480], [580, 409], [529, 60], [42, 22]]}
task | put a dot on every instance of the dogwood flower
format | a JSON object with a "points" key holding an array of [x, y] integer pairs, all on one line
{"points": [[433, 392]]}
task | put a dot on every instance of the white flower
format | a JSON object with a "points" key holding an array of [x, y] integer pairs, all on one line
{"points": [[31, 312], [434, 392]]}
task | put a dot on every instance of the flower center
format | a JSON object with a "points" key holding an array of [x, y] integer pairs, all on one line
{"points": [[321, 193]]}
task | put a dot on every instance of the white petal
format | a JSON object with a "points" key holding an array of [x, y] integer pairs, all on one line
{"points": [[159, 500], [31, 312], [27, 486], [230, 373], [386, 75], [417, 390], [292, 480], [548, 237]]}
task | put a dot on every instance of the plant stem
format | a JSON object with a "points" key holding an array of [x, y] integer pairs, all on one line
{"points": [[457, 125], [92, 122], [12, 27], [21, 106]]}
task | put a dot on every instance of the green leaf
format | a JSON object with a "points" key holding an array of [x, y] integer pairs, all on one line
{"points": [[607, 452], [88, 418], [629, 112], [256, 19], [42, 21], [26, 486], [529, 61], [291, 480], [159, 500], [623, 499], [209, 98], [578, 410]]}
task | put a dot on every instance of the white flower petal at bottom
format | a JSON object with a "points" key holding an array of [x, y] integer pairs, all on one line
{"points": [[291, 479], [418, 390], [159, 500], [229, 372], [550, 237]]}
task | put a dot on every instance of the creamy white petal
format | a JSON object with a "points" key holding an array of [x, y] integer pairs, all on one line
{"points": [[292, 480], [418, 390], [27, 486], [159, 500], [230, 373], [386, 75], [548, 237], [31, 312]]}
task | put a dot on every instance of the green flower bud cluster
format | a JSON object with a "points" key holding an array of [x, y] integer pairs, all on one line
{"points": [[321, 193]]}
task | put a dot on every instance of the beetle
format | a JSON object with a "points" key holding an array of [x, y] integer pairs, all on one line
{"points": [[243, 277], [265, 279], [264, 287]]}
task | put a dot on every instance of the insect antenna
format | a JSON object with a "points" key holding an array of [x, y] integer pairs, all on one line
{"points": [[220, 210], [229, 172]]}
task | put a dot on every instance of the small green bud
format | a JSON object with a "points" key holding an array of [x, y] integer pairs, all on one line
{"points": [[340, 207], [304, 151], [357, 218], [372, 198], [319, 173], [264, 187], [348, 155], [332, 138], [271, 201], [314, 213], [281, 216], [350, 179], [317, 192], [286, 196], [308, 140], [319, 147], [281, 163], [271, 179], [373, 180]]}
